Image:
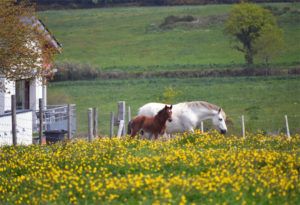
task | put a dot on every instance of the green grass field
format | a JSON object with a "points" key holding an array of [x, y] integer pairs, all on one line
{"points": [[129, 38], [263, 100]]}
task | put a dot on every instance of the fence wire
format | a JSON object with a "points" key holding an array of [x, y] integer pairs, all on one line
{"points": [[274, 124], [55, 118]]}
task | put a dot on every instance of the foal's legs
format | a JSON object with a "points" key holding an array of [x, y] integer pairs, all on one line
{"points": [[134, 131]]}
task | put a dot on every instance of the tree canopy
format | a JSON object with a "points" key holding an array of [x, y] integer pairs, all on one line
{"points": [[251, 27], [23, 46], [269, 44]]}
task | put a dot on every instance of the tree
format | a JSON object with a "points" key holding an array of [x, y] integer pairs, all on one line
{"points": [[23, 46], [270, 44], [251, 25]]}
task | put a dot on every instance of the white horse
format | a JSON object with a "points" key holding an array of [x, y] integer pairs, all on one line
{"points": [[188, 115]]}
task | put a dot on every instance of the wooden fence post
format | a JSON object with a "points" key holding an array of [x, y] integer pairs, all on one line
{"points": [[69, 122], [90, 124], [129, 114], [13, 120], [121, 128], [95, 122], [112, 122], [41, 107], [243, 126], [129, 117], [287, 127], [122, 115]]}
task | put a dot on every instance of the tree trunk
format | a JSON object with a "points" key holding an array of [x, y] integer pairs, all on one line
{"points": [[249, 57]]}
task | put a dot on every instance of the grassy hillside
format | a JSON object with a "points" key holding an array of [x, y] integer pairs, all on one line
{"points": [[263, 100], [130, 38]]}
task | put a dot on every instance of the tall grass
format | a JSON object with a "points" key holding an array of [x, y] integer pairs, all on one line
{"points": [[190, 169]]}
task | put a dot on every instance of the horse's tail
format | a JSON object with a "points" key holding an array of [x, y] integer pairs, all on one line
{"points": [[129, 127]]}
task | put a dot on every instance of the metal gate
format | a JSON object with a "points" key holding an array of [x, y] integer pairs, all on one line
{"points": [[56, 118]]}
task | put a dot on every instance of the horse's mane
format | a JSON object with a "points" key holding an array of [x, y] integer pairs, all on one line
{"points": [[159, 112], [206, 105]]}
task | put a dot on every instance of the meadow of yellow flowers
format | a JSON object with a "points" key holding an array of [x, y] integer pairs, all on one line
{"points": [[197, 168]]}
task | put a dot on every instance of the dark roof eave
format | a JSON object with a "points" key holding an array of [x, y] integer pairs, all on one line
{"points": [[52, 39]]}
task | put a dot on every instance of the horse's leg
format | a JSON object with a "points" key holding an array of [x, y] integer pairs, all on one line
{"points": [[163, 134], [191, 130], [145, 135], [133, 132], [149, 135], [136, 127], [129, 127], [155, 135]]}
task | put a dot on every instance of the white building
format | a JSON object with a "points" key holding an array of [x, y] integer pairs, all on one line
{"points": [[28, 93]]}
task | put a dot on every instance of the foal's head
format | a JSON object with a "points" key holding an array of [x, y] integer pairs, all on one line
{"points": [[165, 113]]}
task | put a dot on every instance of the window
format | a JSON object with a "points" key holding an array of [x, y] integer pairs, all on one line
{"points": [[22, 94]]}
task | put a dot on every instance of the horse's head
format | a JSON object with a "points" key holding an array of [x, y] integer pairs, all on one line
{"points": [[219, 121], [168, 112]]}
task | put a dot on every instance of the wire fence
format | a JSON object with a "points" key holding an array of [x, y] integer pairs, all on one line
{"points": [[271, 125], [23, 128], [56, 118]]}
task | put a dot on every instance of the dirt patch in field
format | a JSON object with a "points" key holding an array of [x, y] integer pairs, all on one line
{"points": [[171, 22]]}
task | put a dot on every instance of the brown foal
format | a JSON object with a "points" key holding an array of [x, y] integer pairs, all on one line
{"points": [[155, 125]]}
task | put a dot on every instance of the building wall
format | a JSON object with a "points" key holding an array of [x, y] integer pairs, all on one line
{"points": [[24, 129], [36, 92], [5, 97], [2, 94]]}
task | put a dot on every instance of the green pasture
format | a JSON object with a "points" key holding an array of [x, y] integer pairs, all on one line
{"points": [[129, 38], [263, 100]]}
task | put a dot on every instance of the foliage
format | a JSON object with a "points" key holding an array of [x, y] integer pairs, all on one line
{"points": [[170, 94], [75, 71], [200, 168], [249, 24], [21, 41], [72, 71], [270, 44]]}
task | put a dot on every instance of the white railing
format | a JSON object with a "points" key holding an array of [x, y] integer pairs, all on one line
{"points": [[55, 117]]}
